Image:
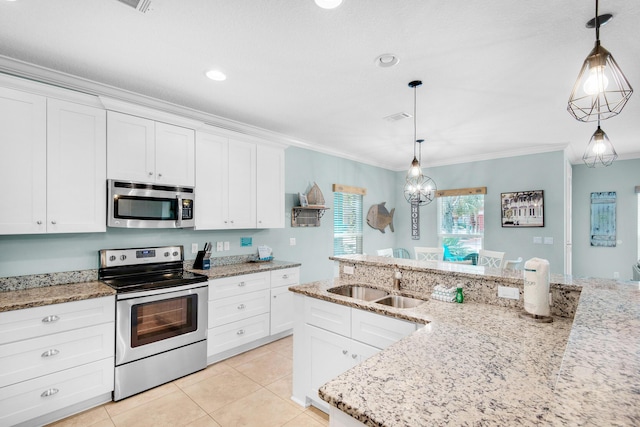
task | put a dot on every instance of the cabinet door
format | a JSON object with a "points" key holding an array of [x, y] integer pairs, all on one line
{"points": [[212, 184], [270, 187], [242, 184], [76, 159], [23, 152], [281, 309], [175, 155], [330, 356], [130, 148]]}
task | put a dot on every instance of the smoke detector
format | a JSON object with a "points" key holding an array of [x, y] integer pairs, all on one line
{"points": [[143, 6]]}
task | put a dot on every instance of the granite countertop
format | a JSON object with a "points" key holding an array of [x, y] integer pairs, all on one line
{"points": [[229, 270], [477, 364], [36, 297]]}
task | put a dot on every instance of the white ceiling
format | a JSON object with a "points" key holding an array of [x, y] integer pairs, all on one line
{"points": [[496, 74]]}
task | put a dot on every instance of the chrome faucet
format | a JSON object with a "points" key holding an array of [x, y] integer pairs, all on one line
{"points": [[396, 280]]}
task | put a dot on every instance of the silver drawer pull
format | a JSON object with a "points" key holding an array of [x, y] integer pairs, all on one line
{"points": [[49, 392], [285, 276], [242, 284], [50, 319], [240, 332], [49, 353], [241, 307], [354, 356], [344, 352]]}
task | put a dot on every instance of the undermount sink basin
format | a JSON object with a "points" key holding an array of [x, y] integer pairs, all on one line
{"points": [[398, 301], [359, 292]]}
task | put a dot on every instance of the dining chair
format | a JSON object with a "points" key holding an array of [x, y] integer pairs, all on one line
{"points": [[512, 264], [490, 258], [429, 254], [388, 252], [401, 253]]}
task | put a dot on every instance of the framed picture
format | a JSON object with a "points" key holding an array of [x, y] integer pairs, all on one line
{"points": [[303, 200], [603, 219], [523, 209]]}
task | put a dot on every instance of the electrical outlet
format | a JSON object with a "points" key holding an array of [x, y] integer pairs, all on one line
{"points": [[548, 240], [616, 275], [219, 246], [537, 240], [292, 241], [348, 269], [508, 292], [226, 246], [194, 248]]}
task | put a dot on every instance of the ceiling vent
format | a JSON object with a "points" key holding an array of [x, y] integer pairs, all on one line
{"points": [[398, 116], [140, 5]]}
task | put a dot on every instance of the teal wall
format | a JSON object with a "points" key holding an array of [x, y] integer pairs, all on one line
{"points": [[622, 177], [33, 254], [521, 173]]}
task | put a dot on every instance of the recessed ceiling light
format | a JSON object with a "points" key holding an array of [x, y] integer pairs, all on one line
{"points": [[328, 4], [216, 75], [387, 60]]}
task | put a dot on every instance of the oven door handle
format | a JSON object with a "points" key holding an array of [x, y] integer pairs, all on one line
{"points": [[179, 219]]}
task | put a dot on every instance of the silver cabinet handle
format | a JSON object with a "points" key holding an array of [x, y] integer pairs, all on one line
{"points": [[241, 307], [231, 221], [39, 222], [275, 296], [240, 332], [285, 276], [49, 353], [241, 284], [50, 319], [150, 173], [53, 222], [344, 352], [354, 356], [159, 175], [49, 392]]}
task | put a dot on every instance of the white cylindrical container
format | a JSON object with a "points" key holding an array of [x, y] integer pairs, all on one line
{"points": [[536, 287]]}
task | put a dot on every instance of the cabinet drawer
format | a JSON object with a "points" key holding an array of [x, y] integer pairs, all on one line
{"points": [[237, 285], [287, 276], [30, 399], [38, 321], [35, 357], [327, 315], [235, 334], [227, 310], [378, 330]]}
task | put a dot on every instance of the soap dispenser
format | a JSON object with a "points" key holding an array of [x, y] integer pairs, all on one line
{"points": [[459, 295]]}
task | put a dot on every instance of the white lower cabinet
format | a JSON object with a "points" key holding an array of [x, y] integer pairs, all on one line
{"points": [[330, 338], [249, 310], [56, 360]]}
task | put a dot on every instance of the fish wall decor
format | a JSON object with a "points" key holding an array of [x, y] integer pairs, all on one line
{"points": [[379, 217]]}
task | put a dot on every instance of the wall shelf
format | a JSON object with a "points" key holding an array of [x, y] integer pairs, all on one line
{"points": [[307, 216]]}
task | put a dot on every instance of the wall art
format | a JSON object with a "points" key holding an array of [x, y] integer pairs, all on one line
{"points": [[603, 219], [523, 209]]}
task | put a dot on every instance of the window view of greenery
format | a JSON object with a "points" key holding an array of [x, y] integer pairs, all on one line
{"points": [[461, 226], [347, 223]]}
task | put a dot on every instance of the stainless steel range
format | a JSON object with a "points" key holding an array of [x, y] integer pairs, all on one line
{"points": [[161, 316]]}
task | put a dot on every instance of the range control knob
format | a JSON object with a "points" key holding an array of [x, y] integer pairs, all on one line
{"points": [[166, 254], [175, 253], [112, 258], [123, 257]]}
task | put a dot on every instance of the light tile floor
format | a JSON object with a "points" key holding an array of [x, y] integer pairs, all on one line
{"points": [[251, 389]]}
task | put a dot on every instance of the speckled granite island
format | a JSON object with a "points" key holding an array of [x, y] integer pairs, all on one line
{"points": [[479, 363]]}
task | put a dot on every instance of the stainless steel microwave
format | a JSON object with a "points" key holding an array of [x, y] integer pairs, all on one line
{"points": [[142, 205]]}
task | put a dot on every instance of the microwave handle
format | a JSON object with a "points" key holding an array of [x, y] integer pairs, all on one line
{"points": [[179, 219]]}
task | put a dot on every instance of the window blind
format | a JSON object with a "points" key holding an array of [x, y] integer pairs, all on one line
{"points": [[347, 223]]}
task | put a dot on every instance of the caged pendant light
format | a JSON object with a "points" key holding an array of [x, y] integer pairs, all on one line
{"points": [[600, 151], [419, 189], [601, 90]]}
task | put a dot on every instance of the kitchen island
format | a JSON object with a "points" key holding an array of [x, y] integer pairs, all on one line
{"points": [[479, 363]]}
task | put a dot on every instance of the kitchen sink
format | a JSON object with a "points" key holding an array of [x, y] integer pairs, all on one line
{"points": [[359, 292], [398, 301]]}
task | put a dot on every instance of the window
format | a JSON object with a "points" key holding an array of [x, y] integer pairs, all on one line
{"points": [[460, 224], [347, 223]]}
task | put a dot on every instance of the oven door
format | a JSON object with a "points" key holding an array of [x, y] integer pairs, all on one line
{"points": [[157, 323]]}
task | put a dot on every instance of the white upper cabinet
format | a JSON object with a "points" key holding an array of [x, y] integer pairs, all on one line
{"points": [[270, 187], [225, 183], [56, 151], [144, 150]]}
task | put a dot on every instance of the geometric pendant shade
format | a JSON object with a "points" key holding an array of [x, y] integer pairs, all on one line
{"points": [[600, 151]]}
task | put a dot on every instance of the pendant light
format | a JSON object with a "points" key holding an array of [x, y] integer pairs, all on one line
{"points": [[419, 189], [601, 90], [600, 151]]}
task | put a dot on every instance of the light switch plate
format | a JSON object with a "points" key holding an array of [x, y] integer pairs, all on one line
{"points": [[548, 240], [226, 246], [292, 241], [508, 292], [348, 269], [219, 246], [537, 240], [194, 248]]}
